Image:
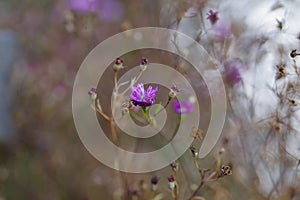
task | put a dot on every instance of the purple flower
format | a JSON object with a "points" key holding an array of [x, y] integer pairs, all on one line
{"points": [[234, 75], [83, 6], [233, 71], [111, 10], [141, 97], [212, 16], [183, 107], [222, 30], [106, 10]]}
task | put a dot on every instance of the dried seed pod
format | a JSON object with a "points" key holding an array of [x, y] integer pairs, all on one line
{"points": [[194, 151], [225, 171], [281, 72]]}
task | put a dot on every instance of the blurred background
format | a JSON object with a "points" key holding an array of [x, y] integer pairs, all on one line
{"points": [[43, 43], [42, 46]]}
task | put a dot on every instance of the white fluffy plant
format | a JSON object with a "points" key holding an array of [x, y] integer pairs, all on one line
{"points": [[264, 104]]}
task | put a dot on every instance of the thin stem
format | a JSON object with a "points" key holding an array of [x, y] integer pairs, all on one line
{"points": [[202, 173], [116, 81], [176, 191], [136, 79], [116, 94], [101, 113], [169, 100], [124, 83], [196, 163], [113, 130]]}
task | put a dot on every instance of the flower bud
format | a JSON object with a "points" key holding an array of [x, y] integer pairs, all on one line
{"points": [[221, 151], [144, 64], [118, 65], [194, 151], [172, 94], [93, 93], [171, 180], [154, 182], [174, 166]]}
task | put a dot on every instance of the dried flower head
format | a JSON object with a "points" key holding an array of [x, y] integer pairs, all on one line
{"points": [[279, 24], [294, 53], [141, 97], [293, 102], [212, 16], [281, 71], [276, 125], [197, 134], [225, 171]]}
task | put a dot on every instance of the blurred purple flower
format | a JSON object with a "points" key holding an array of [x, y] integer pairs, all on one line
{"points": [[235, 76], [83, 6], [111, 10], [107, 10], [233, 71], [141, 97], [183, 107], [212, 16], [222, 30]]}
